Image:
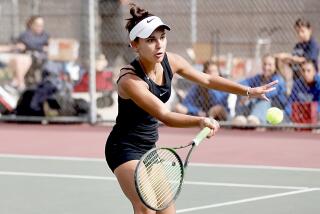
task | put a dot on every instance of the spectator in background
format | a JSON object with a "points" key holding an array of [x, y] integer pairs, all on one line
{"points": [[306, 49], [201, 101], [307, 88], [34, 38], [34, 42], [31, 47], [18, 64], [253, 111]]}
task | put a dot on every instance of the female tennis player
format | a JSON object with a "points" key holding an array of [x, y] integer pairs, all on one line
{"points": [[143, 87]]}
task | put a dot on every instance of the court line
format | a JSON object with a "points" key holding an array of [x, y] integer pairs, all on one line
{"points": [[88, 177], [243, 185], [43, 157], [241, 166], [54, 175], [64, 158], [247, 200], [196, 183]]}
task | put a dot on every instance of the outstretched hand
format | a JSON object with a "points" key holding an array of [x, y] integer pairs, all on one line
{"points": [[260, 92]]}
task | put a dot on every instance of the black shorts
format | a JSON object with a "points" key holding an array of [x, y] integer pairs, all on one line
{"points": [[122, 150]]}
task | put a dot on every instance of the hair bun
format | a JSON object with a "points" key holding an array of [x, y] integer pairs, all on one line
{"points": [[137, 12]]}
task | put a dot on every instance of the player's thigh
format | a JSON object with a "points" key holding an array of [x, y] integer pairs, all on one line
{"points": [[125, 176]]}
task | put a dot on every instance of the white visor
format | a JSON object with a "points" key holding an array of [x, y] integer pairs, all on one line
{"points": [[145, 27]]}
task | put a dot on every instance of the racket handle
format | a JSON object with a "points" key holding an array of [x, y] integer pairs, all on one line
{"points": [[201, 136]]}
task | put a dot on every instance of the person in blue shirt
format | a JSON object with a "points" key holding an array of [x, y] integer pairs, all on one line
{"points": [[34, 38], [307, 48], [253, 111], [200, 101], [306, 88], [31, 45]]}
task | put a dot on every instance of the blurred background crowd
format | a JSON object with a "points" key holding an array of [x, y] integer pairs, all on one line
{"points": [[53, 52]]}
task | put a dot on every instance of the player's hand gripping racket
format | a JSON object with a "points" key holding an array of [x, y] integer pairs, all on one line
{"points": [[159, 174]]}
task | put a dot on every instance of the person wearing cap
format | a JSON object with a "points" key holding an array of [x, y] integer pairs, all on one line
{"points": [[143, 87]]}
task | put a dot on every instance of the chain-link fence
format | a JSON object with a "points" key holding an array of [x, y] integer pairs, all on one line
{"points": [[236, 35], [45, 49]]}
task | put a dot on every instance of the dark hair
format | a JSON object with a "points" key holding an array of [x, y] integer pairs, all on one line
{"points": [[31, 20], [302, 23], [138, 14], [308, 61], [207, 64]]}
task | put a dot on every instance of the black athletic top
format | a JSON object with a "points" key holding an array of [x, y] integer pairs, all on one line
{"points": [[136, 131]]}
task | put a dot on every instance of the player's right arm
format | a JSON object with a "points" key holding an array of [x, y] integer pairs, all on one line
{"points": [[132, 87]]}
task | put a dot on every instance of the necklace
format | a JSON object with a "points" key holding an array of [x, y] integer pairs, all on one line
{"points": [[154, 71]]}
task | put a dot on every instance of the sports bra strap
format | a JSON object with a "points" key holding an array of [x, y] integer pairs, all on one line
{"points": [[126, 74]]}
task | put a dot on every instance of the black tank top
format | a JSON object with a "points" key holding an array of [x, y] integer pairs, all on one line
{"points": [[132, 122]]}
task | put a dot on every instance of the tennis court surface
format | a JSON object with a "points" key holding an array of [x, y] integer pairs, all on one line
{"points": [[61, 169]]}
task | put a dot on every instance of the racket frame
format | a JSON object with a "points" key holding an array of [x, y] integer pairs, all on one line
{"points": [[172, 150], [195, 142]]}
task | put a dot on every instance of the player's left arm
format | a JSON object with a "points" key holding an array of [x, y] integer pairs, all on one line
{"points": [[180, 66]]}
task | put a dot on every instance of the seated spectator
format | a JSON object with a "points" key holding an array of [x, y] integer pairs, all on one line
{"points": [[307, 88], [31, 46], [252, 111], [17, 63], [34, 41], [204, 102], [34, 38], [306, 49]]}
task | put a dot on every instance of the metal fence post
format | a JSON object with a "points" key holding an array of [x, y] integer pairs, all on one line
{"points": [[193, 21], [92, 70]]}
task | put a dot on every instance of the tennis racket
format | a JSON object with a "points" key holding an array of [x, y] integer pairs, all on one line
{"points": [[160, 172]]}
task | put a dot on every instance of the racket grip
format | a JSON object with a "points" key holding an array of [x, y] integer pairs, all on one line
{"points": [[201, 136]]}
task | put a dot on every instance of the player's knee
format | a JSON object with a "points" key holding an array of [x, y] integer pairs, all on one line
{"points": [[141, 209]]}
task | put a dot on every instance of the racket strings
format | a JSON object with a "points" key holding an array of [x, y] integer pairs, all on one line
{"points": [[166, 188], [169, 173], [161, 194], [161, 197], [160, 178]]}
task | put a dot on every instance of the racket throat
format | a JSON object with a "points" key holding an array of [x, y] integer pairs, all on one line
{"points": [[186, 163]]}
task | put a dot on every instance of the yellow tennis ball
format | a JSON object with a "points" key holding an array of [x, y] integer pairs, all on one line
{"points": [[274, 115]]}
